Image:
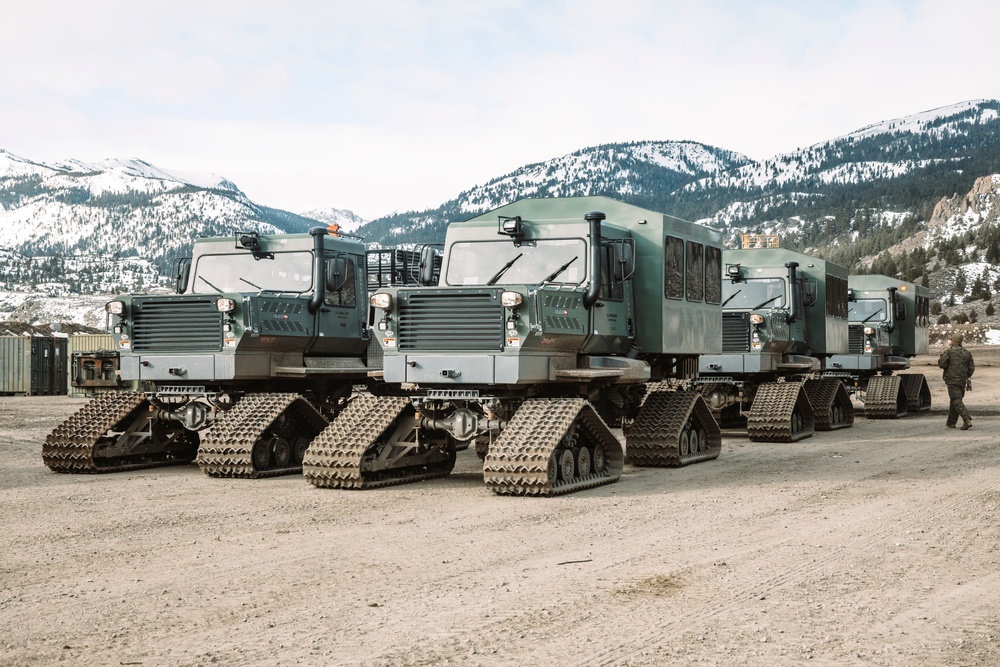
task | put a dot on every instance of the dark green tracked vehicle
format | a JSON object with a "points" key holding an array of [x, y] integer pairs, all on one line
{"points": [[889, 323], [784, 315], [241, 368], [550, 320]]}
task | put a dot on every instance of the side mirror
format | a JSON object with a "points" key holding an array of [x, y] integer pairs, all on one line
{"points": [[183, 274], [810, 293], [427, 258], [336, 273]]}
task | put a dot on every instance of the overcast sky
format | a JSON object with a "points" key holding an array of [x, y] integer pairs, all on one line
{"points": [[394, 106]]}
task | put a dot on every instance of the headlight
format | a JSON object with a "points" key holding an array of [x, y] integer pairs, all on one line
{"points": [[225, 305], [115, 307], [869, 331], [756, 318], [510, 299], [381, 300]]}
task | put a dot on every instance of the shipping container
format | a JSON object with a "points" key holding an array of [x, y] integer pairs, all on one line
{"points": [[33, 365]]}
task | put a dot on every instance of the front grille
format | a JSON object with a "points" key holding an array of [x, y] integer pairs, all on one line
{"points": [[735, 332], [855, 339], [176, 323], [459, 321]]}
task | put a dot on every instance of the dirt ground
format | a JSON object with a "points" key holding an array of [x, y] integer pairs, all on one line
{"points": [[875, 545]]}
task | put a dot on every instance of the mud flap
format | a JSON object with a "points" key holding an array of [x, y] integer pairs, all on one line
{"points": [[918, 394], [780, 412], [245, 442], [673, 429], [550, 447], [831, 405], [885, 398]]}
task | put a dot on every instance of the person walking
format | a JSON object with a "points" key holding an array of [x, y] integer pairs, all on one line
{"points": [[958, 369]]}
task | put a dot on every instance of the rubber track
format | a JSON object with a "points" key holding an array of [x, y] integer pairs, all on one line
{"points": [[918, 394], [654, 439], [334, 458], [71, 445], [226, 448], [823, 394], [770, 418], [885, 398], [518, 462]]}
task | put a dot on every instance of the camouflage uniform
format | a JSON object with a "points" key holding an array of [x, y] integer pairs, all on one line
{"points": [[958, 368]]}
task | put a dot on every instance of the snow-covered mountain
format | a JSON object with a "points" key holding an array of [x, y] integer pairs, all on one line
{"points": [[637, 172], [121, 219], [858, 199]]}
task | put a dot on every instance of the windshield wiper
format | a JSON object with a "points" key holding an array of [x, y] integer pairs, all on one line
{"points": [[733, 296], [552, 276], [773, 298], [252, 284], [871, 316], [503, 270], [210, 284]]}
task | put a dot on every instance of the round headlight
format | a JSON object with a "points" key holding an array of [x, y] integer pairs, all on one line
{"points": [[869, 331], [115, 307], [510, 299], [225, 305], [381, 300], [756, 318]]}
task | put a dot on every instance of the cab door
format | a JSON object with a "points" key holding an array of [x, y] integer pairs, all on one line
{"points": [[612, 323], [340, 321]]}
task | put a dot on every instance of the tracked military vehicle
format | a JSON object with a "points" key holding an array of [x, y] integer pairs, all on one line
{"points": [[784, 314], [889, 322], [551, 316], [241, 368]]}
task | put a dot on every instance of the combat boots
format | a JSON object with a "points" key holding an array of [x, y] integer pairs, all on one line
{"points": [[966, 424]]}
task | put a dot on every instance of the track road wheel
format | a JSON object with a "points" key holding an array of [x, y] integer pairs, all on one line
{"points": [[567, 465], [796, 422], [583, 459], [261, 454], [600, 461], [695, 441], [299, 450], [282, 453]]}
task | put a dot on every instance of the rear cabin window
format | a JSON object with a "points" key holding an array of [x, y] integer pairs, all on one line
{"points": [[695, 272], [836, 296], [713, 274], [673, 268]]}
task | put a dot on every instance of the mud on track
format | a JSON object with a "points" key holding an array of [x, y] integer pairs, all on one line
{"points": [[874, 545]]}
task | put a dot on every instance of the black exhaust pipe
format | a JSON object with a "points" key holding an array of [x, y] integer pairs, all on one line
{"points": [[594, 289], [793, 297], [319, 268]]}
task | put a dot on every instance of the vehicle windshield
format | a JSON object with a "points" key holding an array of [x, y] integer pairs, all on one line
{"points": [[480, 262], [867, 310], [287, 272], [754, 293]]}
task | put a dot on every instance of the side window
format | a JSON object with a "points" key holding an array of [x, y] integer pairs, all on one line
{"points": [[695, 272], [836, 297], [673, 268], [342, 283], [713, 274]]}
